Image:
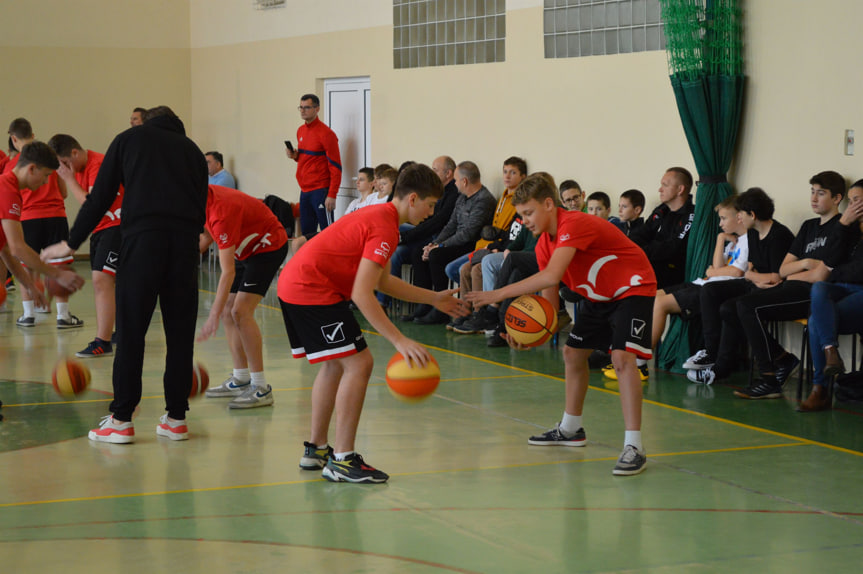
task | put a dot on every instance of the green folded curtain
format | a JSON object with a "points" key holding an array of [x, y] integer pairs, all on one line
{"points": [[703, 39]]}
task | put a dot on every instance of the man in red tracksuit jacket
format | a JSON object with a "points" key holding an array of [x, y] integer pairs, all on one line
{"points": [[319, 167]]}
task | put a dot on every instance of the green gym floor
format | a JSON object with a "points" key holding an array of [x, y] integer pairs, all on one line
{"points": [[730, 486]]}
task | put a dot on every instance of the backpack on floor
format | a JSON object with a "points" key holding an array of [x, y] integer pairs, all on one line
{"points": [[849, 387]]}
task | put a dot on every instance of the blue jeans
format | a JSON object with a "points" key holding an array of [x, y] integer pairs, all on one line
{"points": [[452, 268], [491, 265], [835, 309]]}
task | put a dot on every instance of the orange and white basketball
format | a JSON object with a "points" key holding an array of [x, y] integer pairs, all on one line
{"points": [[531, 320]]}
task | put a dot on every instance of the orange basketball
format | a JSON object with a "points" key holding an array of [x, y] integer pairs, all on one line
{"points": [[200, 380], [412, 384], [70, 377], [531, 320], [53, 287]]}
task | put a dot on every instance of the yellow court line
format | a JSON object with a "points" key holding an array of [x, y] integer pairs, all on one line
{"points": [[417, 473], [654, 403]]}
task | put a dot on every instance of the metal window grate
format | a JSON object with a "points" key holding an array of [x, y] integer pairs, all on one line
{"points": [[576, 28], [448, 32]]}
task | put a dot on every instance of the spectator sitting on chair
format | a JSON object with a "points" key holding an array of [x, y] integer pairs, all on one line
{"points": [[473, 210], [629, 209], [599, 204], [837, 304], [572, 196], [217, 172]]}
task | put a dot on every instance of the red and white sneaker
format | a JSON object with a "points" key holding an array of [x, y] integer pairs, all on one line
{"points": [[174, 430], [113, 431]]}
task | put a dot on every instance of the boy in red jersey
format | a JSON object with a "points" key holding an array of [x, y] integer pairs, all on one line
{"points": [[349, 260], [594, 259], [34, 165], [78, 170], [252, 244], [43, 218]]}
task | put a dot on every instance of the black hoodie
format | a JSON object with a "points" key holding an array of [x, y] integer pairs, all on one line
{"points": [[165, 179]]}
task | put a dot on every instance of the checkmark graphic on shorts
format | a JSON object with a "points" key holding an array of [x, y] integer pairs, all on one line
{"points": [[333, 333], [638, 328]]}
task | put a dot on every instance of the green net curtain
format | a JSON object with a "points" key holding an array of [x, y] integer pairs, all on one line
{"points": [[703, 40]]}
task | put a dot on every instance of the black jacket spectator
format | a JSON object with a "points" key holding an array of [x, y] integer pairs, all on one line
{"points": [[663, 237]]}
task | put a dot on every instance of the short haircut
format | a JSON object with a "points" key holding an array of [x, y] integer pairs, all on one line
{"points": [[216, 156], [535, 186], [39, 154], [858, 183], [831, 181], [602, 197], [518, 163], [63, 144], [141, 111], [470, 171], [314, 98], [755, 201], [21, 129], [448, 163], [391, 175], [569, 184], [684, 178], [419, 179], [547, 176], [368, 172], [158, 111], [635, 197], [11, 145], [729, 202], [379, 169]]}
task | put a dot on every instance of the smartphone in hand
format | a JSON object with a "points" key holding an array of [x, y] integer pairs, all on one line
{"points": [[289, 145]]}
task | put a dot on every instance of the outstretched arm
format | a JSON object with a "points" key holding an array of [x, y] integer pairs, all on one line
{"points": [[548, 277]]}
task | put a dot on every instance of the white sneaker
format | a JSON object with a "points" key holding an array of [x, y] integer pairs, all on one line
{"points": [[113, 431], [700, 360], [174, 430], [230, 388], [253, 397], [703, 376]]}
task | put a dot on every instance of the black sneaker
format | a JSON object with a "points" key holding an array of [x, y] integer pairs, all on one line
{"points": [[433, 317], [497, 340], [455, 323], [71, 322], [352, 469], [96, 348], [703, 376], [555, 437], [23, 321], [315, 458], [700, 360], [785, 367], [630, 462], [478, 323], [761, 390]]}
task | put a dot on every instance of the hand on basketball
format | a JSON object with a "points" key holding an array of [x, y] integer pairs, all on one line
{"points": [[56, 251], [413, 352], [446, 303], [70, 280], [209, 329], [513, 343]]}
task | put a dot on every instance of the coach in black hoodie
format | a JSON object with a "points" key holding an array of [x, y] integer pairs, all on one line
{"points": [[165, 179]]}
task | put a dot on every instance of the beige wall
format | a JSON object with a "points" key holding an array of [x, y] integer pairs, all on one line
{"points": [[80, 67]]}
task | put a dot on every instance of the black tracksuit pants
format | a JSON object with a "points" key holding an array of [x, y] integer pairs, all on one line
{"points": [[155, 265]]}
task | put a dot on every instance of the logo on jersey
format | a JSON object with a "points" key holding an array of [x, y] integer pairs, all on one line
{"points": [[594, 272], [333, 333], [383, 250], [15, 209], [564, 237], [223, 238], [637, 329]]}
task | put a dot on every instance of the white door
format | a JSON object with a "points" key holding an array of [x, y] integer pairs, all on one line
{"points": [[347, 110]]}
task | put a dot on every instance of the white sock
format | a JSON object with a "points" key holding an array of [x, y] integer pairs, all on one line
{"points": [[258, 379], [641, 362], [324, 446], [62, 310], [633, 437], [570, 424], [342, 455], [242, 375], [28, 308]]}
